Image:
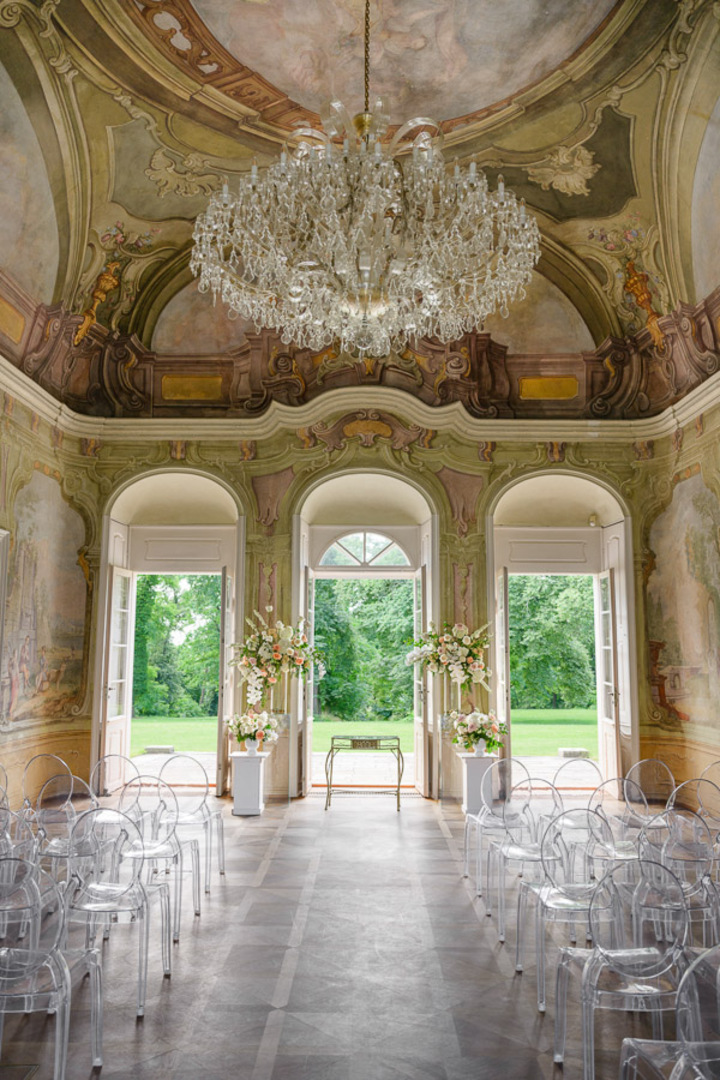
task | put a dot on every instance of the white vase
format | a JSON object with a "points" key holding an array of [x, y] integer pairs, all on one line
{"points": [[480, 750], [251, 746]]}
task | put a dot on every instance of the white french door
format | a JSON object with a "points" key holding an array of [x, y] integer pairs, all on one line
{"points": [[117, 676], [501, 671], [606, 665], [226, 682], [307, 690], [421, 741]]}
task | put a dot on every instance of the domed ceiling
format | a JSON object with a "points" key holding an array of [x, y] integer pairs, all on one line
{"points": [[439, 58], [121, 118]]}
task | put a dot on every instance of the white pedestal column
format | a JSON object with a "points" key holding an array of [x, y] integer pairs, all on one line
{"points": [[474, 769], [248, 783]]}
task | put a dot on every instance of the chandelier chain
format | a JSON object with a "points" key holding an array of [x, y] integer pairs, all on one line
{"points": [[367, 56], [362, 242]]}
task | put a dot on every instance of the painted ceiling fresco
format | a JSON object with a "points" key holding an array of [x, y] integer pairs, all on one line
{"points": [[118, 120], [437, 58]]}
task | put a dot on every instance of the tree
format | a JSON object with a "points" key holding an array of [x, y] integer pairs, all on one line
{"points": [[363, 626], [177, 645], [552, 641]]}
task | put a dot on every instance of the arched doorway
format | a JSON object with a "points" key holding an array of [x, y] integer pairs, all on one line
{"points": [[178, 522], [568, 524], [330, 539]]}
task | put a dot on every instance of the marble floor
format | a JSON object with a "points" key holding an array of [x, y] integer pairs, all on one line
{"points": [[341, 945]]}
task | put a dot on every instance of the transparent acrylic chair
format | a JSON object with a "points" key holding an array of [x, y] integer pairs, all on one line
{"points": [[110, 774], [655, 780], [152, 804], [568, 849], [701, 795], [682, 841], [695, 1053], [105, 884], [624, 807], [532, 805], [638, 924], [497, 783], [195, 810], [17, 838], [576, 779], [61, 801], [36, 972], [40, 769]]}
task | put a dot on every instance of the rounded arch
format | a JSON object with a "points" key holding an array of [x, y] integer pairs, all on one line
{"points": [[377, 495], [175, 497], [561, 497]]}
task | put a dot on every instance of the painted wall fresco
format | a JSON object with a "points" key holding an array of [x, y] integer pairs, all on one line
{"points": [[438, 58], [45, 608], [706, 199], [190, 324], [546, 321], [683, 608], [29, 248]]}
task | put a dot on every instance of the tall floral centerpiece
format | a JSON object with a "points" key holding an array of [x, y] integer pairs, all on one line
{"points": [[454, 653], [270, 656]]}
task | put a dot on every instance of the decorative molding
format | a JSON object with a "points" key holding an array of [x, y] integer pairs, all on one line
{"points": [[565, 169], [367, 426], [462, 490], [644, 449], [555, 451], [164, 173], [270, 489]]}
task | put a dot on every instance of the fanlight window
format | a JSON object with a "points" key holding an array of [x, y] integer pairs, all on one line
{"points": [[365, 549]]}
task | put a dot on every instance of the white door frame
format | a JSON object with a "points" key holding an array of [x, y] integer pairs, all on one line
{"points": [[162, 549], [585, 550]]}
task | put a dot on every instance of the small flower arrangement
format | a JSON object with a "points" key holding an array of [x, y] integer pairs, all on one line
{"points": [[471, 728], [455, 651], [270, 652], [251, 725]]}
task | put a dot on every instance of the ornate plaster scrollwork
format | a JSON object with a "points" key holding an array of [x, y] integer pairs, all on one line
{"points": [[367, 425], [566, 169], [164, 173]]}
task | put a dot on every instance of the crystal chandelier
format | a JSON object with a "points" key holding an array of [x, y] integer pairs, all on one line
{"points": [[363, 240]]}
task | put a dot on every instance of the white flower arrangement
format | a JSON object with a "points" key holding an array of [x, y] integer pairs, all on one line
{"points": [[260, 726], [456, 651], [270, 653], [471, 728]]}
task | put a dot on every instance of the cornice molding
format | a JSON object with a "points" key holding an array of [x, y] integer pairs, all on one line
{"points": [[279, 419]]}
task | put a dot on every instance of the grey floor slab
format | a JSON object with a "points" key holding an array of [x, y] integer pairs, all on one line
{"points": [[341, 945]]}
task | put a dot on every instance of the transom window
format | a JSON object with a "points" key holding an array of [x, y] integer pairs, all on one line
{"points": [[365, 549]]}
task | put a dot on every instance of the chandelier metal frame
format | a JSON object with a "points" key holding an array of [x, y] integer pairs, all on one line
{"points": [[366, 241]]}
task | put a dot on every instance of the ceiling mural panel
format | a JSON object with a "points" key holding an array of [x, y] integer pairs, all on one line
{"points": [[28, 227], [706, 201], [438, 58], [545, 321], [191, 325]]}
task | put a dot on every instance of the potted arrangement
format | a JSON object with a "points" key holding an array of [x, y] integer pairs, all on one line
{"points": [[255, 729], [477, 731]]}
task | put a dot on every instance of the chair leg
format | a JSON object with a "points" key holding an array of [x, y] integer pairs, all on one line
{"points": [[143, 945], [501, 875], [96, 1010], [466, 847], [561, 984], [489, 881], [588, 1037], [177, 895], [207, 829], [520, 926], [478, 860], [195, 863], [540, 953], [221, 843]]}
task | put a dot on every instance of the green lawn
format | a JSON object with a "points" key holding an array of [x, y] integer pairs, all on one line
{"points": [[542, 731], [534, 731]]}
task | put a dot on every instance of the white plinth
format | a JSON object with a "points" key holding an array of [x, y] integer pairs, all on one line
{"points": [[248, 783], [474, 769]]}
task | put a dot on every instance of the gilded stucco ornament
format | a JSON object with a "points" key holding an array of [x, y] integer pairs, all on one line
{"points": [[164, 173]]}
